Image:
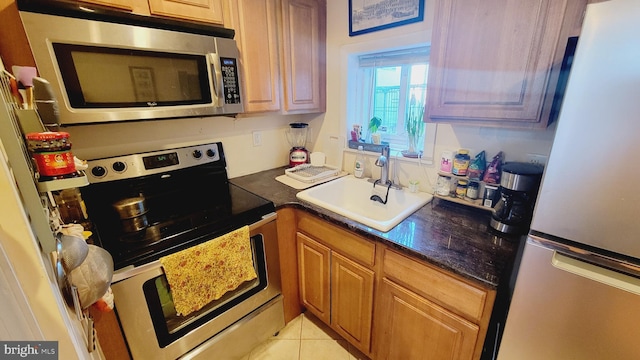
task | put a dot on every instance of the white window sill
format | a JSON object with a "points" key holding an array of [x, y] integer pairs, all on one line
{"points": [[396, 155]]}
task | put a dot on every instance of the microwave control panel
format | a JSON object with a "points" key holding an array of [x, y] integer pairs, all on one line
{"points": [[230, 80]]}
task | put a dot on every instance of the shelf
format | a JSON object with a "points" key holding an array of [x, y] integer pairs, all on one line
{"points": [[61, 184], [472, 203], [465, 177]]}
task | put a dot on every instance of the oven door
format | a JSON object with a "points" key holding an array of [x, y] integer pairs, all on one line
{"points": [[148, 318]]}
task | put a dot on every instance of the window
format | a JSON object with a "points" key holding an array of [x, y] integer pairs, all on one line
{"points": [[391, 85]]}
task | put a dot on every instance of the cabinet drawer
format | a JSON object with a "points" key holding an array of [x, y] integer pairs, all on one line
{"points": [[450, 292], [337, 239]]}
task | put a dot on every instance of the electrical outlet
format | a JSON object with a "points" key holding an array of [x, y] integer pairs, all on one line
{"points": [[257, 138], [536, 159]]}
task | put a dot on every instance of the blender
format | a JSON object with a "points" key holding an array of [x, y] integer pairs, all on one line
{"points": [[297, 138]]}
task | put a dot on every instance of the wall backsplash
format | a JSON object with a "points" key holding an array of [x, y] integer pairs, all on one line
{"points": [[515, 144], [105, 140]]}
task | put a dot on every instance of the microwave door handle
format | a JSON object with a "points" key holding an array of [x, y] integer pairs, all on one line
{"points": [[218, 87]]}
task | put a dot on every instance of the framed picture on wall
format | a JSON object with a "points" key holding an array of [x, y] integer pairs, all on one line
{"points": [[366, 16], [143, 83]]}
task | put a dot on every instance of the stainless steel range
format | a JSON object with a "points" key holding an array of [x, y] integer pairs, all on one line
{"points": [[150, 205]]}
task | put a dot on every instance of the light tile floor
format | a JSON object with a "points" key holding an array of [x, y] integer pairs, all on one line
{"points": [[305, 338]]}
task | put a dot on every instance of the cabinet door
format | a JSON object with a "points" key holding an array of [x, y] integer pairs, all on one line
{"points": [[256, 33], [412, 327], [303, 55], [491, 61], [313, 272], [118, 4], [351, 300], [199, 10]]}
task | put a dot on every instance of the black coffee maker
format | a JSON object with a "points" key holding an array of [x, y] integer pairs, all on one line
{"points": [[518, 190]]}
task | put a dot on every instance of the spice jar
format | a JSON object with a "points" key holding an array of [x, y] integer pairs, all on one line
{"points": [[472, 190], [461, 163], [52, 154], [461, 189], [443, 185]]}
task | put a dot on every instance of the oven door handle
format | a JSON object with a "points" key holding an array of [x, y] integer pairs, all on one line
{"points": [[131, 271]]}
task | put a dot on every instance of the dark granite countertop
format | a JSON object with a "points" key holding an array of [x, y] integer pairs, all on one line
{"points": [[451, 236]]}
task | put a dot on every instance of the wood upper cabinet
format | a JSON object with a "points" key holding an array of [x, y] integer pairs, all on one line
{"points": [[128, 5], [256, 26], [209, 11], [496, 62], [304, 55], [282, 48], [199, 10]]}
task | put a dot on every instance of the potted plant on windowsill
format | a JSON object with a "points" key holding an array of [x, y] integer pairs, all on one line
{"points": [[374, 124], [414, 125]]}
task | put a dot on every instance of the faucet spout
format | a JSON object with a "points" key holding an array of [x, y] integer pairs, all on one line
{"points": [[383, 163]]}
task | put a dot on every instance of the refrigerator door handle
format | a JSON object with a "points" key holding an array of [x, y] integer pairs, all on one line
{"points": [[596, 273]]}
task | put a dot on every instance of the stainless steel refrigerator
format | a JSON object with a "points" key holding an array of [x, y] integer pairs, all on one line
{"points": [[577, 293]]}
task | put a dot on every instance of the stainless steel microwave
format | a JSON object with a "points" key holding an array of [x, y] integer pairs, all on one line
{"points": [[106, 66]]}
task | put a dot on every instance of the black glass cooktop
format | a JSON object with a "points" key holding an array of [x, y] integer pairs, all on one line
{"points": [[189, 207]]}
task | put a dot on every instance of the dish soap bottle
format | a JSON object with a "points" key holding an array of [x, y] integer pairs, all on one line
{"points": [[358, 168]]}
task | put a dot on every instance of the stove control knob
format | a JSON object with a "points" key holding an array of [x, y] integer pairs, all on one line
{"points": [[211, 153], [197, 154], [119, 166], [98, 171]]}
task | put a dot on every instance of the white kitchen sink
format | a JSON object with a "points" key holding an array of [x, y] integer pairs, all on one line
{"points": [[350, 197]]}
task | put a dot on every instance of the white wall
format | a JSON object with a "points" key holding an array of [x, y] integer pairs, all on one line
{"points": [[515, 143]]}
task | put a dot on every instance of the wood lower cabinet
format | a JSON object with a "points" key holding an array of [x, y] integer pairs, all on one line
{"points": [[110, 336], [351, 300], [413, 327], [386, 303], [497, 62], [337, 278], [337, 290], [314, 267], [209, 11], [426, 313]]}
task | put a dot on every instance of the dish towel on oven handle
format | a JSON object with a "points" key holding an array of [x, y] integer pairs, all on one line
{"points": [[205, 272]]}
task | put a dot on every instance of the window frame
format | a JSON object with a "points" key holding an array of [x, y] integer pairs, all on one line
{"points": [[363, 87]]}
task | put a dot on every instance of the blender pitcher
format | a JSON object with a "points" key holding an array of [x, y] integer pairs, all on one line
{"points": [[297, 138]]}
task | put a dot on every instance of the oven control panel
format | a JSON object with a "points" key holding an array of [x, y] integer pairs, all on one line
{"points": [[154, 162]]}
